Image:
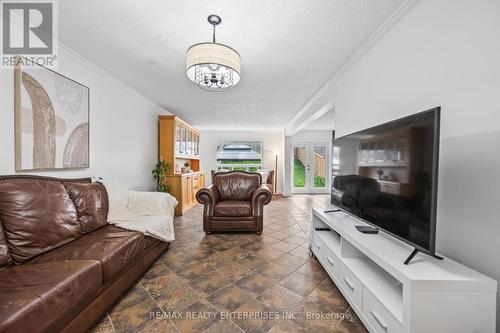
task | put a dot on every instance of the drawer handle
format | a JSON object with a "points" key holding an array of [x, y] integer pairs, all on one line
{"points": [[317, 245], [379, 320], [329, 260], [349, 283]]}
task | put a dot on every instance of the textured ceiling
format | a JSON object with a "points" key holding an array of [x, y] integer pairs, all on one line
{"points": [[289, 49]]}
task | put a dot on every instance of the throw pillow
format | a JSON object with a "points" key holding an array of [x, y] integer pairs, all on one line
{"points": [[91, 202]]}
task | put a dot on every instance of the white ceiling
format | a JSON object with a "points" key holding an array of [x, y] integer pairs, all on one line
{"points": [[289, 49]]}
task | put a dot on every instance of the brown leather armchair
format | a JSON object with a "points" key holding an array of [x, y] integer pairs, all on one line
{"points": [[234, 202], [266, 180]]}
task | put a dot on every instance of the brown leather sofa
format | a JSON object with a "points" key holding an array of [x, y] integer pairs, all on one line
{"points": [[234, 202], [61, 265]]}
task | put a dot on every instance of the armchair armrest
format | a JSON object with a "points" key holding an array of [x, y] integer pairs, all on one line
{"points": [[208, 196], [260, 197], [150, 203]]}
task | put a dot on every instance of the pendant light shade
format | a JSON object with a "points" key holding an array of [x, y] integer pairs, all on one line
{"points": [[213, 66]]}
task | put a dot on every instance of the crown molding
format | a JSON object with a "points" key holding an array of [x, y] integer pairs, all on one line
{"points": [[394, 18], [96, 69], [104, 74]]}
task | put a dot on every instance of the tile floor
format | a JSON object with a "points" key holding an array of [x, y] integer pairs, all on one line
{"points": [[237, 282]]}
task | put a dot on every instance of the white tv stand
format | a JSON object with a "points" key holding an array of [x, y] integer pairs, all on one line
{"points": [[428, 295]]}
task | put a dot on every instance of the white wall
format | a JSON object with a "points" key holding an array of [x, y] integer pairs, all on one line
{"points": [[123, 126], [447, 53], [273, 142], [304, 136]]}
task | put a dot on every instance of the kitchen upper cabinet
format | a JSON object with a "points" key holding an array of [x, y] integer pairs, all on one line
{"points": [[178, 139], [187, 140]]}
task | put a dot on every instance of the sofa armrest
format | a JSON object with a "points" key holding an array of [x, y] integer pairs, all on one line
{"points": [[260, 197], [208, 196], [150, 203]]}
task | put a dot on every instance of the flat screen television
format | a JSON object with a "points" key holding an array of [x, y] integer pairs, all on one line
{"points": [[387, 176]]}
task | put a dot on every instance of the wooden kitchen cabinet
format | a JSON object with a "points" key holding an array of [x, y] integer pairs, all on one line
{"points": [[178, 143], [184, 188]]}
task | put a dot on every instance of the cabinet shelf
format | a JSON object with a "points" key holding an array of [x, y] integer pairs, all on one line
{"points": [[332, 239], [187, 156], [383, 286]]}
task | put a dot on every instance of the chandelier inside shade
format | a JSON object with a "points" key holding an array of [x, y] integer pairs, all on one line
{"points": [[213, 66]]}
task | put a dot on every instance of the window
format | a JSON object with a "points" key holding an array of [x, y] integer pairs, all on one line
{"points": [[240, 155]]}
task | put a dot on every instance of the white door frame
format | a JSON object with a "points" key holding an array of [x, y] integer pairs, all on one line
{"points": [[309, 182]]}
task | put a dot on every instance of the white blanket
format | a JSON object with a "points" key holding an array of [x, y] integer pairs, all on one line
{"points": [[151, 213]]}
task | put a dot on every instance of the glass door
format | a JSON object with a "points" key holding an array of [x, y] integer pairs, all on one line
{"points": [[300, 167], [177, 138], [183, 140], [189, 142], [196, 144], [319, 167], [310, 169]]}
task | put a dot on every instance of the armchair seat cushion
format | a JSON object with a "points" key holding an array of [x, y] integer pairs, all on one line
{"points": [[233, 208]]}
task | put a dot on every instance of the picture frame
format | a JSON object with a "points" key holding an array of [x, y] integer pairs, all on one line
{"points": [[52, 120]]}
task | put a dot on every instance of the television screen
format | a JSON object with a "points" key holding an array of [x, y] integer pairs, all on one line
{"points": [[387, 176]]}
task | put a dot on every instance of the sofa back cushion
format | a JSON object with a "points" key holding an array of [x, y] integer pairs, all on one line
{"points": [[91, 203], [37, 216], [5, 258], [236, 185]]}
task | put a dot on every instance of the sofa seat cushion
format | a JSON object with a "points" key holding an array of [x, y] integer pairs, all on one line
{"points": [[150, 242], [41, 297], [233, 208], [37, 216], [113, 247]]}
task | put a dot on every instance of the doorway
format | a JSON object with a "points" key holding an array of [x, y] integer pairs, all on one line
{"points": [[310, 168]]}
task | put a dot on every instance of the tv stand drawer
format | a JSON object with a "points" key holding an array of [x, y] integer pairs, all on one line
{"points": [[352, 286], [318, 246], [378, 317]]}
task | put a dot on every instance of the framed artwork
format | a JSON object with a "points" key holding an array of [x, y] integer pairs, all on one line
{"points": [[51, 120]]}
